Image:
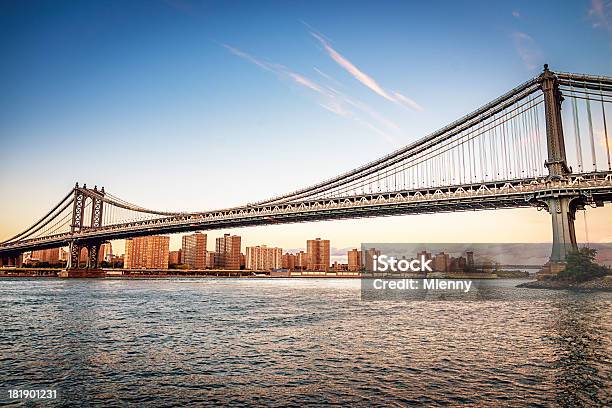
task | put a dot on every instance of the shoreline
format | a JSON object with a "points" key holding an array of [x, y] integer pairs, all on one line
{"points": [[601, 284], [246, 276], [225, 274]]}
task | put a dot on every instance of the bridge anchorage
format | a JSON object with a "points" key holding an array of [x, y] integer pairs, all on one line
{"points": [[510, 153]]}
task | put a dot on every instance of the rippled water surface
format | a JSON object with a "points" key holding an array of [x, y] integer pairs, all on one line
{"points": [[299, 342]]}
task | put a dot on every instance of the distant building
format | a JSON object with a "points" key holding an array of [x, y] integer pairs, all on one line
{"points": [[262, 258], [441, 262], [227, 252], [117, 261], [318, 254], [339, 267], [147, 252], [425, 254], [301, 261], [368, 258], [12, 261], [354, 260], [458, 264], [289, 261], [194, 251], [174, 257], [53, 256], [470, 260], [105, 253], [210, 259]]}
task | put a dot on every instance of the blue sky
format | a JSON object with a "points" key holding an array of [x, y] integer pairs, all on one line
{"points": [[191, 105]]}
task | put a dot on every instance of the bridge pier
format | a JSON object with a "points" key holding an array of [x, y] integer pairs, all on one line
{"points": [[91, 269], [12, 261], [563, 214], [562, 209]]}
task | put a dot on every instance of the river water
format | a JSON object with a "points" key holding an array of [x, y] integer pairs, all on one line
{"points": [[286, 342]]}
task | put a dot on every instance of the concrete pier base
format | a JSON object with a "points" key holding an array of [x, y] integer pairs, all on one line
{"points": [[551, 268], [82, 273]]}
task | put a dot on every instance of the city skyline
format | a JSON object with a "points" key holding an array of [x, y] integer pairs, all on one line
{"points": [[172, 135]]}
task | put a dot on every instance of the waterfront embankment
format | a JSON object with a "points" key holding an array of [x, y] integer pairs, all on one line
{"points": [[604, 284]]}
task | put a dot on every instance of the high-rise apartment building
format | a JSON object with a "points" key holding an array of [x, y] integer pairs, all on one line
{"points": [[262, 258], [301, 260], [174, 257], [354, 260], [210, 259], [289, 261], [441, 262], [194, 251], [470, 260], [227, 252], [53, 256], [318, 254], [147, 252], [368, 258]]}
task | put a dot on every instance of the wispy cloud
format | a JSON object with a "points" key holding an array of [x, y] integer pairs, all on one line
{"points": [[327, 77], [330, 99], [352, 69], [279, 70], [323, 74], [305, 82], [600, 14], [364, 78], [516, 14], [527, 49], [264, 65], [407, 101]]}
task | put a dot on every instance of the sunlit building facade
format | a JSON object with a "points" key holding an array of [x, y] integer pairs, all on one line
{"points": [[263, 258], [318, 251], [194, 251], [147, 252], [354, 260], [227, 252]]}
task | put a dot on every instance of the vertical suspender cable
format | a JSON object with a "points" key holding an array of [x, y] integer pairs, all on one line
{"points": [[453, 172], [472, 160], [515, 148], [532, 139], [512, 147], [493, 146], [577, 132], [481, 140], [506, 145], [590, 119], [529, 141], [603, 112], [523, 135], [541, 152]]}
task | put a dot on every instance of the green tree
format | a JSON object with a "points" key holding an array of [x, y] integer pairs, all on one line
{"points": [[581, 266]]}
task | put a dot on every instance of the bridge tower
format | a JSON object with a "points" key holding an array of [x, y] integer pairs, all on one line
{"points": [[81, 197], [562, 208]]}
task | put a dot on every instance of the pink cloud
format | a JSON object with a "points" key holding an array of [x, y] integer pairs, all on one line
{"points": [[364, 78]]}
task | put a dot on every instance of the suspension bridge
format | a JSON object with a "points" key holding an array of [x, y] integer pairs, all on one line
{"points": [[520, 150]]}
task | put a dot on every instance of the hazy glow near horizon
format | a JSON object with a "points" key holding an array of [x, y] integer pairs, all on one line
{"points": [[197, 105]]}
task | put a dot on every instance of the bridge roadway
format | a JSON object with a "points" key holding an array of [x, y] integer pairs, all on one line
{"points": [[595, 187]]}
